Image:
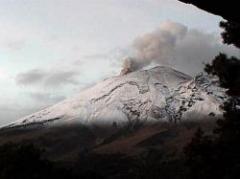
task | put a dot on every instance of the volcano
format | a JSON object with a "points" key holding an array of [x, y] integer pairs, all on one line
{"points": [[157, 94]]}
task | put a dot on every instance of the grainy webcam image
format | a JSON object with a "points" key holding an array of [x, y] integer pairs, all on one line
{"points": [[109, 89]]}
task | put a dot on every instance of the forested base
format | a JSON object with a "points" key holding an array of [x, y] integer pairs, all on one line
{"points": [[75, 152], [24, 161]]}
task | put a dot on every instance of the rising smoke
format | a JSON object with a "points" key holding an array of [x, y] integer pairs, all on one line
{"points": [[173, 44]]}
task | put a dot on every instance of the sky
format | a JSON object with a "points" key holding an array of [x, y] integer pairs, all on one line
{"points": [[52, 49]]}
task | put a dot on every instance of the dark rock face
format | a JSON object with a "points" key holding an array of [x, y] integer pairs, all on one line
{"points": [[226, 9]]}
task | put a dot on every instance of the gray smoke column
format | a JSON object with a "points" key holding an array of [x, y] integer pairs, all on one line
{"points": [[173, 44], [156, 46], [129, 65]]}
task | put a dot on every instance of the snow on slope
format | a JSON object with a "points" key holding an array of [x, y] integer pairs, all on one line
{"points": [[160, 93]]}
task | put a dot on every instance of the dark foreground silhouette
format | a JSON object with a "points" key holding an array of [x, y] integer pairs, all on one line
{"points": [[77, 151]]}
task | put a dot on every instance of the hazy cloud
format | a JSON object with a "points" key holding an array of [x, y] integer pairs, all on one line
{"points": [[47, 78], [16, 45], [46, 98], [61, 78], [31, 77]]}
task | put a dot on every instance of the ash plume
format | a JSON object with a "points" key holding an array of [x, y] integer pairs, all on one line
{"points": [[129, 65], [154, 47], [173, 44]]}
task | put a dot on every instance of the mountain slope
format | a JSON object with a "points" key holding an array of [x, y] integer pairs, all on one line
{"points": [[157, 94]]}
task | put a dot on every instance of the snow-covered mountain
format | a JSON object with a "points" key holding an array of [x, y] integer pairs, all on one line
{"points": [[157, 94]]}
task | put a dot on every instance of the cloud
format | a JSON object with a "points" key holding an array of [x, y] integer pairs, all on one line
{"points": [[31, 77], [46, 98], [61, 78], [16, 45], [13, 37], [173, 44], [47, 78]]}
